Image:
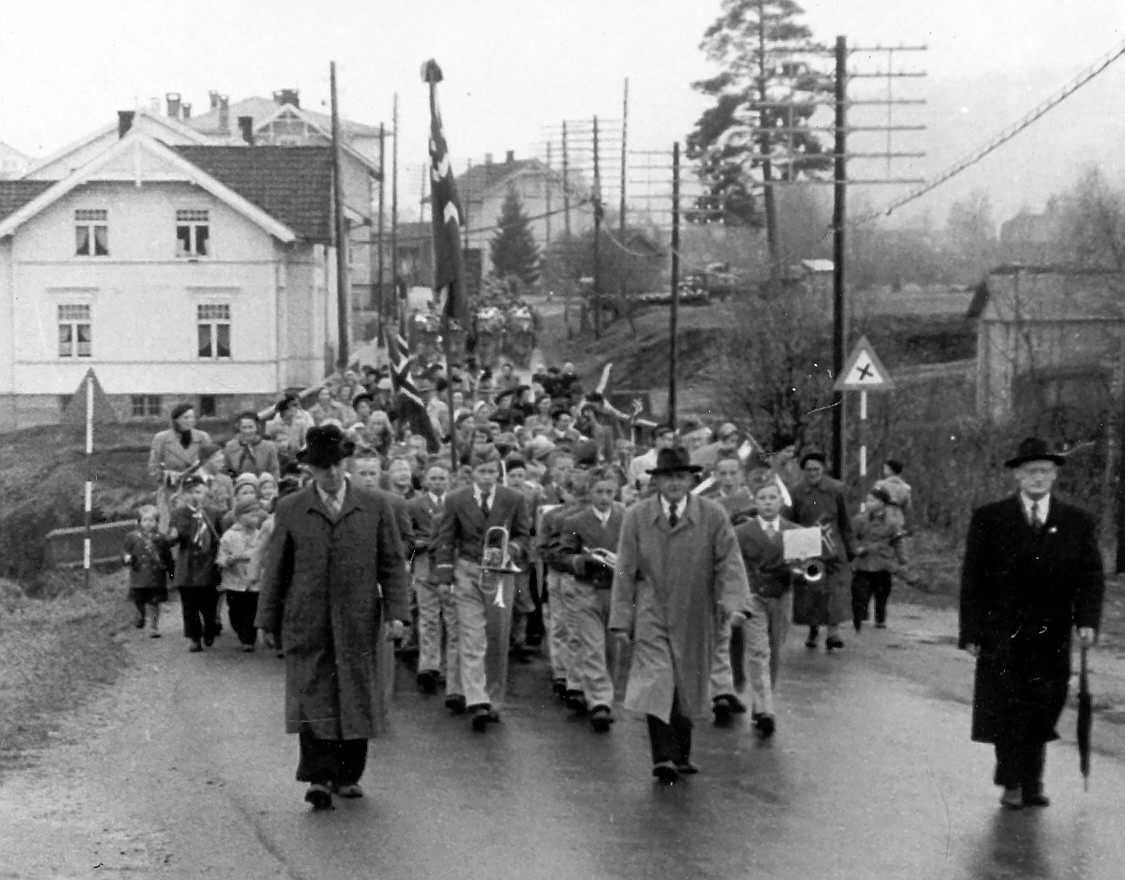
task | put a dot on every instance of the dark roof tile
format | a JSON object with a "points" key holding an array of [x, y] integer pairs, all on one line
{"points": [[291, 184], [14, 194]]}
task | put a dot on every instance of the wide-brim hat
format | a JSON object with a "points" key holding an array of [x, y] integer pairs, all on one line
{"points": [[325, 445], [1034, 449], [674, 461]]}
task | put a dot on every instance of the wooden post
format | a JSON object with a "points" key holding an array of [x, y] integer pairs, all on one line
{"points": [[343, 304], [673, 315], [839, 218], [89, 499]]}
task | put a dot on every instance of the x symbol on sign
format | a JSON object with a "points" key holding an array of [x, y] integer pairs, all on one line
{"points": [[865, 372]]}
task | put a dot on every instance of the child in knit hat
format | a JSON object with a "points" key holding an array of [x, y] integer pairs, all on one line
{"points": [[235, 551]]}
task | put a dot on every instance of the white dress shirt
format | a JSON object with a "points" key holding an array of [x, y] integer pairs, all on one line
{"points": [[1044, 506]]}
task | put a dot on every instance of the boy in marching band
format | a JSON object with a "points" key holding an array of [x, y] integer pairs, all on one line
{"points": [[585, 548], [483, 600], [771, 598]]}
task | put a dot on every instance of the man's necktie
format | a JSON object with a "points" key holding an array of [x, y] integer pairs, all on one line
{"points": [[771, 531], [484, 508], [1036, 519], [673, 517]]}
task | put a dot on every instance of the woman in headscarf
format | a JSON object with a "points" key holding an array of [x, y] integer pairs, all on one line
{"points": [[174, 452]]}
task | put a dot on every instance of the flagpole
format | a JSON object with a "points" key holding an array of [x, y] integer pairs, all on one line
{"points": [[431, 73]]}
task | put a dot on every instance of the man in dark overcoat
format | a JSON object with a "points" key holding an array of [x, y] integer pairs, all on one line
{"points": [[334, 576], [1032, 571]]}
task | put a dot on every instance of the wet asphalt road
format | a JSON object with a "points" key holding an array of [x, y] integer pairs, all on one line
{"points": [[871, 775]]}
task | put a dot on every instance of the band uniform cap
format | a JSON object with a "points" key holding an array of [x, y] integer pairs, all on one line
{"points": [[1034, 449], [674, 461], [325, 445]]}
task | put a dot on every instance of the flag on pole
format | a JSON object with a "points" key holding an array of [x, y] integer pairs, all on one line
{"points": [[445, 208], [411, 406]]}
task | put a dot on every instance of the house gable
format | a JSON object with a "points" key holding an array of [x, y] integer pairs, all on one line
{"points": [[140, 159]]}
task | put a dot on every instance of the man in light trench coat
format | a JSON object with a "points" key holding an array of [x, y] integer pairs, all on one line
{"points": [[679, 575], [334, 576]]}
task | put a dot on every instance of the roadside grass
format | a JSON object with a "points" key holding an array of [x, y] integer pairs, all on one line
{"points": [[56, 649]]}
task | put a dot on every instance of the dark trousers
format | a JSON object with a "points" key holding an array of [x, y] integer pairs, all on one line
{"points": [[1020, 765], [242, 608], [865, 585], [331, 760], [672, 741], [198, 606]]}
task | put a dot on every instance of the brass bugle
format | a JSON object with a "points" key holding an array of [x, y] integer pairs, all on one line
{"points": [[811, 570], [496, 561]]}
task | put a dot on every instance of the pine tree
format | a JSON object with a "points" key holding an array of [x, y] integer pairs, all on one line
{"points": [[513, 248]]}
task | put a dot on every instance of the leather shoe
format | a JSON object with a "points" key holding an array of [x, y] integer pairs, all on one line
{"points": [[666, 772], [348, 790], [1036, 800], [195, 647], [482, 715], [1012, 799], [320, 796], [833, 642], [558, 687], [765, 725], [601, 718], [455, 703], [427, 681], [686, 768], [575, 701]]}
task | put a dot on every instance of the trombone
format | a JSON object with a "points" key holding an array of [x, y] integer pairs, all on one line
{"points": [[496, 561]]}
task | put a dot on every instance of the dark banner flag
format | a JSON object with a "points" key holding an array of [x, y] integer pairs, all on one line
{"points": [[449, 270], [411, 406]]}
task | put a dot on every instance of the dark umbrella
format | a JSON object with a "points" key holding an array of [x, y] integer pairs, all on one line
{"points": [[1085, 721]]}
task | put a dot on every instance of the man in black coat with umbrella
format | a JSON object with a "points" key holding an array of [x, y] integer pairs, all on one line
{"points": [[1032, 571]]}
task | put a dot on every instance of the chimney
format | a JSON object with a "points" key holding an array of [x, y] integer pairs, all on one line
{"points": [[185, 109], [224, 114], [511, 157], [287, 96], [487, 158], [124, 122], [214, 96], [246, 126], [173, 99]]}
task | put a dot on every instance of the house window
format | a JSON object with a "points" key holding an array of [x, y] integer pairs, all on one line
{"points": [[206, 406], [213, 325], [74, 330], [91, 233], [145, 406], [193, 233]]}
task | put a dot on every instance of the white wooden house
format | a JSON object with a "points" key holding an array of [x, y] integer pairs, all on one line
{"points": [[177, 273]]}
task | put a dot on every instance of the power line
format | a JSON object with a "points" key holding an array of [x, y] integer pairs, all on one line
{"points": [[1004, 136]]}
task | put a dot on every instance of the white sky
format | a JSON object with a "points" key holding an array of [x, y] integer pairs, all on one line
{"points": [[515, 67]]}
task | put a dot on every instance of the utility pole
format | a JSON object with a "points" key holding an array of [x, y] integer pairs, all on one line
{"points": [[465, 200], [380, 276], [673, 314], [547, 199], [839, 218], [343, 306], [566, 227], [624, 171], [394, 213], [597, 238]]}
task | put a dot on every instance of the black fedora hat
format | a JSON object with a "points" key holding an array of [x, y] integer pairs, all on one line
{"points": [[674, 461], [1034, 449], [325, 445]]}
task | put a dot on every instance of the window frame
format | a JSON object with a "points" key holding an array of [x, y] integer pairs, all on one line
{"points": [[73, 317], [90, 221], [145, 406], [214, 318], [190, 245]]}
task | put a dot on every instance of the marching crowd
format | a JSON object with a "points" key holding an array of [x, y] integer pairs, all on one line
{"points": [[523, 518]]}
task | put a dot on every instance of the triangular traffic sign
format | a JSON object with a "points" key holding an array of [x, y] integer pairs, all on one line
{"points": [[863, 371], [75, 412]]}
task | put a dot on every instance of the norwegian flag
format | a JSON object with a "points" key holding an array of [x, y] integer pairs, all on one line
{"points": [[449, 267], [411, 406]]}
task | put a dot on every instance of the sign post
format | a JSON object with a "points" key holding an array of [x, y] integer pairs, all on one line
{"points": [[863, 372]]}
